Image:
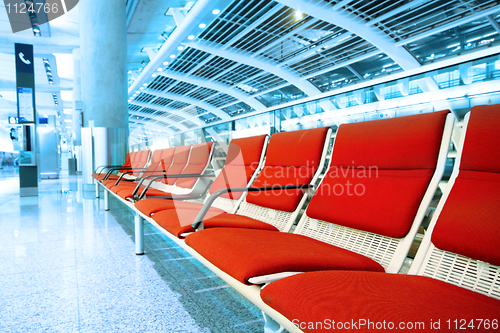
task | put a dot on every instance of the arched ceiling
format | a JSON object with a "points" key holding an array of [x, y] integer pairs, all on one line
{"points": [[195, 63], [250, 55]]}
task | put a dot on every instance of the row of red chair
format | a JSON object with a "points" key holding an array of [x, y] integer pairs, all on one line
{"points": [[358, 225], [454, 282], [173, 172], [134, 162]]}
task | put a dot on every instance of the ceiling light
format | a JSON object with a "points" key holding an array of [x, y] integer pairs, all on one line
{"points": [[172, 56], [190, 37], [298, 14], [145, 84], [154, 75], [137, 91], [159, 69], [141, 88], [215, 11], [165, 63], [473, 39], [180, 48], [488, 35], [202, 25]]}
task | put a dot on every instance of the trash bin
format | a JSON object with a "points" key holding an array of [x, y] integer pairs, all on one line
{"points": [[72, 166]]}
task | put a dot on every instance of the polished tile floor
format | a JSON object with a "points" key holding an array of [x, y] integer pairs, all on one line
{"points": [[66, 265]]}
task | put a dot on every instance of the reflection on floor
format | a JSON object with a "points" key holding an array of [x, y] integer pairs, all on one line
{"points": [[66, 265]]}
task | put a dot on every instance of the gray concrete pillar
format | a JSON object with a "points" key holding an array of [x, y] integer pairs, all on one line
{"points": [[103, 48], [103, 51]]}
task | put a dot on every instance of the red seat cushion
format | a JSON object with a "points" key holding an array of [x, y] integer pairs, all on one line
{"points": [[103, 175], [150, 206], [358, 297], [98, 176], [108, 183], [178, 221], [245, 253], [127, 192], [123, 184], [469, 223], [389, 198]]}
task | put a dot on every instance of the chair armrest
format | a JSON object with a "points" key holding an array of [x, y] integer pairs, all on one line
{"points": [[110, 171], [198, 221], [102, 167], [192, 175], [123, 174]]}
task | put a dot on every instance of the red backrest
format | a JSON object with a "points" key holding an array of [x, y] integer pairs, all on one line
{"points": [[155, 160], [166, 159], [292, 158], [134, 158], [379, 173], [127, 162], [469, 223], [242, 160], [180, 159], [141, 161], [198, 159]]}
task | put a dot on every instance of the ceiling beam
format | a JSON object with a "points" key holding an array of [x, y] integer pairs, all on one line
{"points": [[215, 86], [285, 36], [219, 113], [190, 22], [177, 112], [152, 117], [253, 25], [343, 64], [311, 51], [240, 57], [147, 123], [357, 26], [450, 25], [396, 11]]}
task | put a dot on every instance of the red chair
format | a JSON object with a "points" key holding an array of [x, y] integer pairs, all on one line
{"points": [[244, 159], [454, 281], [292, 158], [363, 216]]}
